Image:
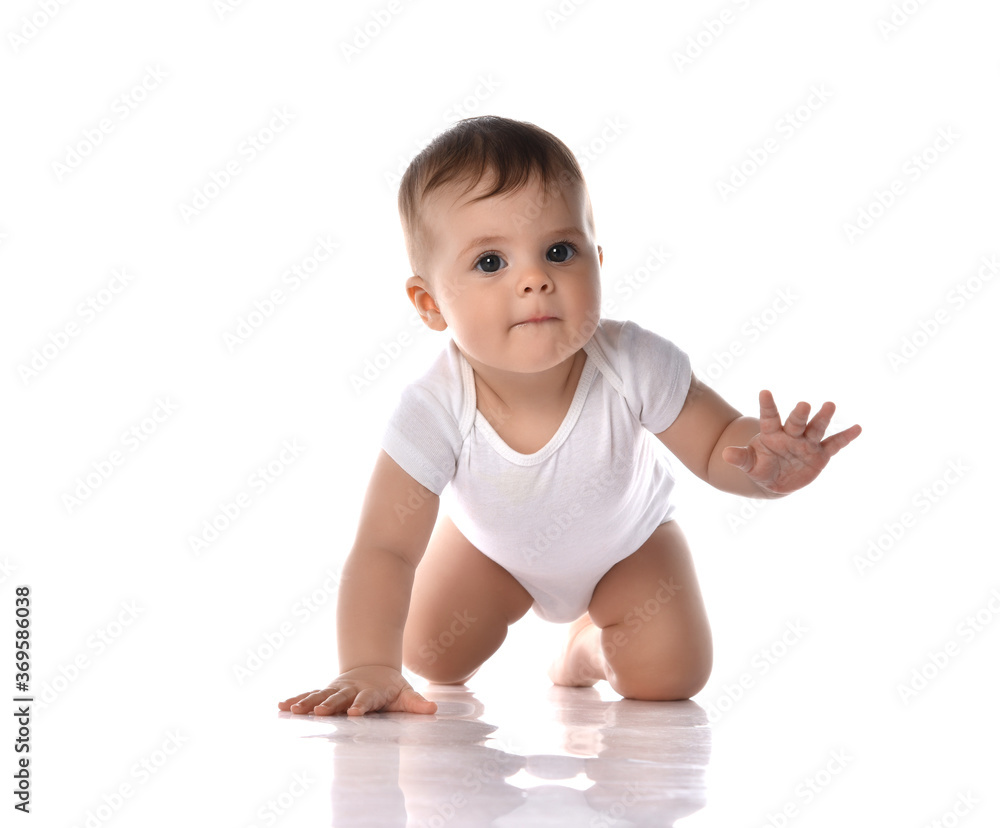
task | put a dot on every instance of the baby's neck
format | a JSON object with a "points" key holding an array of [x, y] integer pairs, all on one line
{"points": [[501, 394]]}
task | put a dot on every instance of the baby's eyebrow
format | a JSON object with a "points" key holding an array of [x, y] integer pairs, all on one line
{"points": [[482, 241], [487, 241]]}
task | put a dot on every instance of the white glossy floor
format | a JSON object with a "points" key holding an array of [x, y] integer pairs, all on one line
{"points": [[568, 757], [810, 742]]}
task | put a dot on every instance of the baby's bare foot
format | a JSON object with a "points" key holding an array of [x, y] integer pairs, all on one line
{"points": [[581, 663]]}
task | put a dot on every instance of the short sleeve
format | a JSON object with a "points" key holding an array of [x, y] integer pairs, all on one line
{"points": [[656, 376], [422, 436]]}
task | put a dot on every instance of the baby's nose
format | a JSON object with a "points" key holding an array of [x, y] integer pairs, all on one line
{"points": [[535, 280]]}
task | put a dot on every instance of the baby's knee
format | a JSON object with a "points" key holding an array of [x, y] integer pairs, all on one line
{"points": [[434, 667], [441, 659], [443, 675], [667, 684], [663, 675]]}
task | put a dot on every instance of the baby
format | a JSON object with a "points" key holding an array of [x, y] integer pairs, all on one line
{"points": [[548, 421]]}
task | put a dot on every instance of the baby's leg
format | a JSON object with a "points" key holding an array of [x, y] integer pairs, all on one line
{"points": [[651, 639], [460, 607]]}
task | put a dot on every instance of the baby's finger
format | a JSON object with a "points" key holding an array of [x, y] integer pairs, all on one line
{"points": [[287, 703], [311, 700], [770, 421], [334, 702], [797, 419], [740, 456], [817, 428], [413, 702], [366, 700], [836, 442]]}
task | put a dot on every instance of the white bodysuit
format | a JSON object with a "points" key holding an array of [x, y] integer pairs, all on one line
{"points": [[557, 519]]}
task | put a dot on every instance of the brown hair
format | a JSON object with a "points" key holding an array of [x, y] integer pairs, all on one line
{"points": [[512, 151]]}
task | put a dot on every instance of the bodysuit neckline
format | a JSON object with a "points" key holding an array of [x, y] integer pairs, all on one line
{"points": [[497, 442]]}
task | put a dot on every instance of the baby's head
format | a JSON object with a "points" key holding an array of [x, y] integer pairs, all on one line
{"points": [[499, 229], [504, 152]]}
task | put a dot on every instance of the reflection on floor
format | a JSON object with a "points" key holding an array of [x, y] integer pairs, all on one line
{"points": [[574, 757]]}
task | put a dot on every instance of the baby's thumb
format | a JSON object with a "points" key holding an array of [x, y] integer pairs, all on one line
{"points": [[413, 702], [739, 456]]}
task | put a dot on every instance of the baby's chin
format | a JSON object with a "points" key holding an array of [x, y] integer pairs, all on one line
{"points": [[534, 363], [522, 349]]}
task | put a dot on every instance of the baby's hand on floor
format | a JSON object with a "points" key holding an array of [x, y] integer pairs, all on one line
{"points": [[782, 459], [360, 691]]}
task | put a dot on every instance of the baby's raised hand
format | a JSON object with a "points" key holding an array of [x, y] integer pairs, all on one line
{"points": [[782, 459], [360, 691]]}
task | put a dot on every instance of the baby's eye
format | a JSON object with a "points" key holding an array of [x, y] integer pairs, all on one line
{"points": [[561, 252], [493, 263]]}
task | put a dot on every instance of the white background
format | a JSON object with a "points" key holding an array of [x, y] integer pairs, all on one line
{"points": [[354, 121]]}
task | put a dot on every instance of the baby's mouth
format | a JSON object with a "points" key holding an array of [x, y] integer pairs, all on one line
{"points": [[534, 320]]}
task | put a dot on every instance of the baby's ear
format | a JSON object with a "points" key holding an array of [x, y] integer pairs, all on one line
{"points": [[600, 254], [418, 291]]}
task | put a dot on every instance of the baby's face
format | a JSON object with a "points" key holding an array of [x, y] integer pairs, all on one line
{"points": [[517, 278]]}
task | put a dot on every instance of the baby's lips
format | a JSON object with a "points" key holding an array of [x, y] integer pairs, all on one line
{"points": [[542, 317]]}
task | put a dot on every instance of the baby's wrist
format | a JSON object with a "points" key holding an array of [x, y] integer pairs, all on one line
{"points": [[768, 494]]}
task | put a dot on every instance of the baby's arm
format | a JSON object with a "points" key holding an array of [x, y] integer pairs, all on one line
{"points": [[749, 456], [374, 598]]}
